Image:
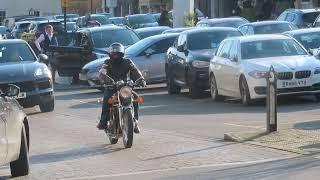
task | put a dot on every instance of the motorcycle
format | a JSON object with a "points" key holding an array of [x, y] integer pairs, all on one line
{"points": [[121, 122]]}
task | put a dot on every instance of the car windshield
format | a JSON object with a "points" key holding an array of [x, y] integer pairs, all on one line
{"points": [[24, 26], [101, 19], [117, 20], [234, 24], [57, 26], [208, 40], [137, 47], [310, 17], [309, 40], [105, 38], [145, 34], [272, 28], [71, 27], [271, 48], [141, 19], [15, 53]]}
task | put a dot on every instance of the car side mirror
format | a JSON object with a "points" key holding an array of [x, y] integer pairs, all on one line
{"points": [[11, 91], [43, 58]]}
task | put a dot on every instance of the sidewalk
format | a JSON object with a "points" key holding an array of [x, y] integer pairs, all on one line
{"points": [[302, 138]]}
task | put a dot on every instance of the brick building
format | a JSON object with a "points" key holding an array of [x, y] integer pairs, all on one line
{"points": [[85, 6]]}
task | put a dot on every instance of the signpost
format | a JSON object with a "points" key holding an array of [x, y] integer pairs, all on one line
{"points": [[271, 100], [64, 4]]}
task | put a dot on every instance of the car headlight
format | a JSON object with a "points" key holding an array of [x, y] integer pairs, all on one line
{"points": [[42, 72], [125, 92], [317, 70], [258, 74], [200, 64]]}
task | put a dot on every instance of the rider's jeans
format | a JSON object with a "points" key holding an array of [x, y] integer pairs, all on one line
{"points": [[105, 116]]}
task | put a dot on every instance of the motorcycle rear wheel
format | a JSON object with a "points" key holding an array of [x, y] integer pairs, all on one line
{"points": [[127, 129]]}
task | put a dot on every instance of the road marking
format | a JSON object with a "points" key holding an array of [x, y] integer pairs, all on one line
{"points": [[245, 126], [179, 168]]}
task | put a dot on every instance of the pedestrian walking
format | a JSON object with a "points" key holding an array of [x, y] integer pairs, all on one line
{"points": [[43, 43]]}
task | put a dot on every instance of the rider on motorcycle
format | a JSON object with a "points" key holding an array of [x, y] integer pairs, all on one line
{"points": [[118, 68]]}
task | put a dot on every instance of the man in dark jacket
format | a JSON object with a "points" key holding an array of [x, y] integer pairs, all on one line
{"points": [[118, 69]]}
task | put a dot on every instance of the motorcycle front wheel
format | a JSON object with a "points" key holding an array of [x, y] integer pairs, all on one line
{"points": [[127, 128]]}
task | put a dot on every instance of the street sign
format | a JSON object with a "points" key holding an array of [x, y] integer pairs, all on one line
{"points": [[271, 100], [112, 3], [64, 3]]}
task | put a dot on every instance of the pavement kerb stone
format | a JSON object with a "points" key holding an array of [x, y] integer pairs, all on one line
{"points": [[285, 140]]}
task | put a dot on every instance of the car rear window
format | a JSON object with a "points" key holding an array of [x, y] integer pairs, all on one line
{"points": [[273, 28], [209, 40], [234, 24], [310, 17]]}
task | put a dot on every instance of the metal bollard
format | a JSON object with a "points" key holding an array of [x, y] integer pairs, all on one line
{"points": [[271, 100]]}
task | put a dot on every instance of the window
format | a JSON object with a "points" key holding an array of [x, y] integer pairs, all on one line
{"points": [[243, 29], [250, 31], [225, 50], [233, 50], [2, 15], [290, 17], [162, 46], [282, 17]]}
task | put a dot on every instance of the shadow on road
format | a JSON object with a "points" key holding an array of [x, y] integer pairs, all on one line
{"points": [[311, 125], [279, 169], [86, 105], [78, 96], [72, 154]]}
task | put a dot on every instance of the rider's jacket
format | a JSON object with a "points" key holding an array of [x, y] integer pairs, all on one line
{"points": [[122, 69]]}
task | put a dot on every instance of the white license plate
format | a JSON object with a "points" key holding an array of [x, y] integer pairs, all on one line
{"points": [[296, 83], [22, 95]]}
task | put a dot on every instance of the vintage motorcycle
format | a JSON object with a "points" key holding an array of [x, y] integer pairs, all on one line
{"points": [[121, 122]]}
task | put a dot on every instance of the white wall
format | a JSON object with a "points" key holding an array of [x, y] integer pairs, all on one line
{"points": [[22, 7], [180, 8]]}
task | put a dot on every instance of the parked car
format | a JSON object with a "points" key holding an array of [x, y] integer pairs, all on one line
{"points": [[20, 66], [14, 132], [108, 15], [266, 27], [4, 32], [148, 54], [19, 28], [177, 30], [309, 38], [69, 17], [150, 31], [302, 18], [140, 21], [101, 19], [117, 20], [188, 60], [35, 19], [240, 66], [234, 22], [90, 44]]}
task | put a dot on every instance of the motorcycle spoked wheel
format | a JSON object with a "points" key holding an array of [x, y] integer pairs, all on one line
{"points": [[112, 139], [127, 128]]}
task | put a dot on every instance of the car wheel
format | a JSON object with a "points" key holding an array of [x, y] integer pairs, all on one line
{"points": [[245, 93], [172, 88], [47, 104], [20, 167], [214, 89]]}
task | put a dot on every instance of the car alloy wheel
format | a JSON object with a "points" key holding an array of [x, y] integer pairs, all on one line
{"points": [[214, 89], [244, 91]]}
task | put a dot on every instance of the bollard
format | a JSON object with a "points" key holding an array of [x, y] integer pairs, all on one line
{"points": [[271, 100]]}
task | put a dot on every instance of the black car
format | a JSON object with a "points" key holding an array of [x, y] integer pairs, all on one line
{"points": [[20, 66], [140, 21], [188, 60], [101, 19], [150, 31], [266, 27], [234, 22], [90, 44], [302, 18], [309, 38]]}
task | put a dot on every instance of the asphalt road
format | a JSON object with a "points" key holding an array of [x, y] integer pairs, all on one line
{"points": [[181, 139]]}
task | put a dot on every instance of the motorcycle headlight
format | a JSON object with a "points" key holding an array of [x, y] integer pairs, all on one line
{"points": [[317, 70], [200, 64], [125, 92], [258, 74]]}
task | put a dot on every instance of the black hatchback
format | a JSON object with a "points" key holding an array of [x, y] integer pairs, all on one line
{"points": [[20, 66]]}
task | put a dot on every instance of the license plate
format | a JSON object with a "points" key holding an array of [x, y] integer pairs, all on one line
{"points": [[297, 83], [21, 95]]}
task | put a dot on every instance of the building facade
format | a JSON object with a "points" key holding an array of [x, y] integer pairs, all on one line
{"points": [[155, 6], [10, 8], [83, 7]]}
